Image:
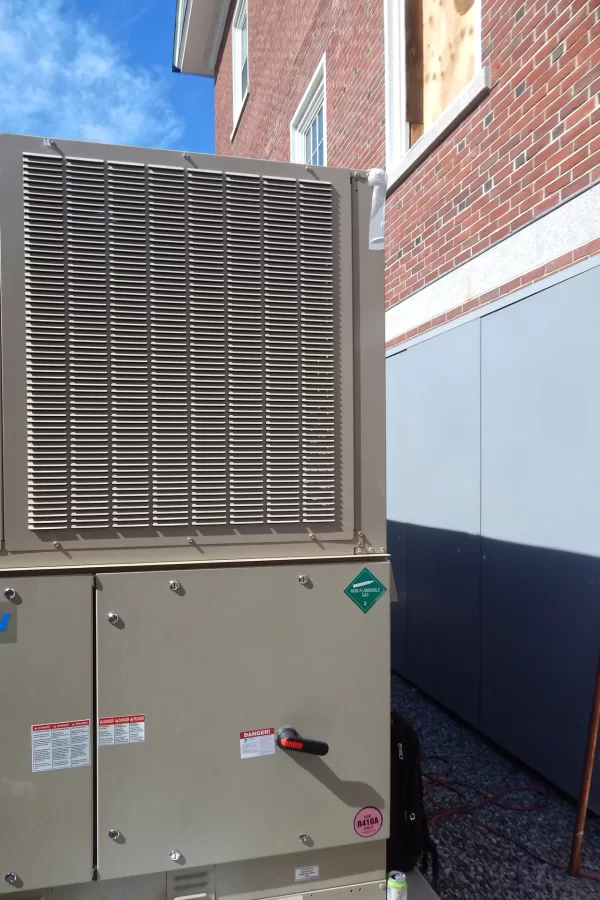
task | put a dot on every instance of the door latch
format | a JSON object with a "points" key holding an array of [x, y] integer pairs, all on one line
{"points": [[288, 739]]}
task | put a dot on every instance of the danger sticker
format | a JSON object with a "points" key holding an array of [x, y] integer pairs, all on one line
{"points": [[368, 821], [60, 745], [259, 742], [121, 730]]}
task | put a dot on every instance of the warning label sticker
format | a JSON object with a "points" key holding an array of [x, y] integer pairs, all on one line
{"points": [[306, 873], [121, 730], [260, 742], [60, 745]]}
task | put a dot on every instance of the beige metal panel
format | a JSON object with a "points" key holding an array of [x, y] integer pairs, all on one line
{"points": [[144, 887], [108, 560], [84, 230], [46, 676], [193, 884], [370, 891], [276, 876], [369, 377], [234, 650]]}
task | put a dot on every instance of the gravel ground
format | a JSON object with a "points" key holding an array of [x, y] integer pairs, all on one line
{"points": [[476, 864]]}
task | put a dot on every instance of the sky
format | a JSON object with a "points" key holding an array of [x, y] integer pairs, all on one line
{"points": [[99, 70]]}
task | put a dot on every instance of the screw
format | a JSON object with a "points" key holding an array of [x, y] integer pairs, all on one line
{"points": [[359, 549], [10, 878], [370, 550], [186, 156], [382, 550], [303, 837], [113, 618], [10, 593], [175, 855], [361, 534], [382, 886], [309, 168], [114, 834], [303, 579], [190, 540], [174, 585], [56, 545], [312, 536]]}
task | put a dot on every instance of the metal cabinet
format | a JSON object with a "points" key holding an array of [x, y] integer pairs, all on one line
{"points": [[206, 655], [46, 679]]}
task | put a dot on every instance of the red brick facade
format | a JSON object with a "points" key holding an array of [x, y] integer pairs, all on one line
{"points": [[531, 143], [286, 40]]}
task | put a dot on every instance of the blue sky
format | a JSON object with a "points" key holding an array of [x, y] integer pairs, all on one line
{"points": [[99, 70]]}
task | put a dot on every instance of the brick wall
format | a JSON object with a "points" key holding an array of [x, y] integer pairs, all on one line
{"points": [[286, 40], [534, 140]]}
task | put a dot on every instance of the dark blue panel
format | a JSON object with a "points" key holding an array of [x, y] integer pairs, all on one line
{"points": [[540, 642], [443, 617], [396, 542]]}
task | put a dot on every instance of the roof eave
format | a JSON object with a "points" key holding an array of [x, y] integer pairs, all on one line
{"points": [[199, 27]]}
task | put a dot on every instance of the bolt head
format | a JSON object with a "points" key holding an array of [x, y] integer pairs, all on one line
{"points": [[174, 585], [175, 855], [113, 618], [303, 579], [10, 593], [303, 837], [10, 878], [56, 545], [190, 540], [114, 834]]}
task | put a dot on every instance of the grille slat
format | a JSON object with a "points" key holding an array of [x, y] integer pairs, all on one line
{"points": [[181, 348]]}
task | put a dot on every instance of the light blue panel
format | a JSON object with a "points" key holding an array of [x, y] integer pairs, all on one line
{"points": [[541, 520], [433, 432], [433, 515], [540, 422]]}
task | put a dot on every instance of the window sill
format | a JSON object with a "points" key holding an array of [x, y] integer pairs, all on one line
{"points": [[239, 116], [460, 107]]}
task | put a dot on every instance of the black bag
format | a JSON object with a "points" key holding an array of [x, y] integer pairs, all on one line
{"points": [[409, 843]]}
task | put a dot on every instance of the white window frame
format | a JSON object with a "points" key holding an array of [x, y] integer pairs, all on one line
{"points": [[401, 158], [314, 97], [239, 99]]}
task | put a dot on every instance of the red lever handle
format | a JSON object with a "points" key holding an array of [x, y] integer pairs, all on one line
{"points": [[289, 739]]}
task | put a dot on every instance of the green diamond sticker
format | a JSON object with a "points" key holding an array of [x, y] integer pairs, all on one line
{"points": [[365, 590]]}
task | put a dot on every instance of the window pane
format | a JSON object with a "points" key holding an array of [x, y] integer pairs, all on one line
{"points": [[314, 139], [244, 41], [244, 78]]}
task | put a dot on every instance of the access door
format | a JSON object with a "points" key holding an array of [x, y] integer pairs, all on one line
{"points": [[197, 671]]}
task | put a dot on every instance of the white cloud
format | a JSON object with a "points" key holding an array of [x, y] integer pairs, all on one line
{"points": [[60, 76]]}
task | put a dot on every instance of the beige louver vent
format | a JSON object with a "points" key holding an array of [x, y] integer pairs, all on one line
{"points": [[181, 347]]}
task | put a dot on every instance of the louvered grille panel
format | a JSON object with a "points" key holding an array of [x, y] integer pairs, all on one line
{"points": [[46, 337], [208, 376], [282, 351], [87, 409], [318, 353], [181, 348], [128, 286]]}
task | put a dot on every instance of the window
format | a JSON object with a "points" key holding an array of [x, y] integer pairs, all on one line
{"points": [[308, 128], [240, 58], [434, 74]]}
